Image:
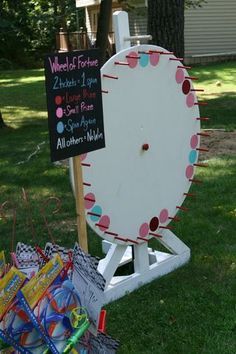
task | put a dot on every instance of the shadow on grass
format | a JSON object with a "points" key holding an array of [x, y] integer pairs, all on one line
{"points": [[16, 146], [221, 110], [41, 179]]}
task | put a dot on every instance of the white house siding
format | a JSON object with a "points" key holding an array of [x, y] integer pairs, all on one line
{"points": [[138, 22], [211, 29]]}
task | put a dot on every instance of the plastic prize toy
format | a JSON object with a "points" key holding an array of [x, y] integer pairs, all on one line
{"points": [[79, 321], [17, 325], [9, 286], [135, 186], [2, 264], [31, 295], [39, 321], [55, 311]]}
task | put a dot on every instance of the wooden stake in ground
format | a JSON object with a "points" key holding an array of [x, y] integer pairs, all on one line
{"points": [[79, 199]]}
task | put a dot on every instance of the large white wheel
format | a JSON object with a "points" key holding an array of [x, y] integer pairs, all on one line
{"points": [[135, 185]]}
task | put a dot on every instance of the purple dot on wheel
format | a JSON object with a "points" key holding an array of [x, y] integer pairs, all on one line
{"points": [[132, 59], [89, 200], [190, 100], [194, 141], [59, 112], [143, 230], [163, 217], [154, 223], [104, 223], [186, 86], [189, 171], [154, 58], [179, 76]]}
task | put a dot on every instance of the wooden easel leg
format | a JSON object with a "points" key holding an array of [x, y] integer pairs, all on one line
{"points": [[79, 200]]}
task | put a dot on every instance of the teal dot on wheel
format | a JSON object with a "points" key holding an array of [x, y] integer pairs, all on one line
{"points": [[60, 127], [144, 59], [97, 213], [193, 156]]}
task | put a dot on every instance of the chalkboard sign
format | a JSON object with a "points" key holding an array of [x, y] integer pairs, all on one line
{"points": [[74, 101]]}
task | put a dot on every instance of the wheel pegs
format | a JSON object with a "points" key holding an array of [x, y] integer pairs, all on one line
{"points": [[145, 147]]}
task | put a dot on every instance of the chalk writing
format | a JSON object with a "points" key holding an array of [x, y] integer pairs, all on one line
{"points": [[93, 135], [59, 83], [74, 101], [73, 62]]}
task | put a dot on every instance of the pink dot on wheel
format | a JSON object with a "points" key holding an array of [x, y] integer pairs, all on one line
{"points": [[154, 223], [143, 230], [89, 200], [83, 157], [163, 217], [104, 223], [179, 76], [194, 141], [189, 171], [59, 112], [154, 58], [186, 86], [58, 100], [190, 100], [132, 59]]}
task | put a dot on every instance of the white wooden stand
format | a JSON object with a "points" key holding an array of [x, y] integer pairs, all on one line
{"points": [[148, 265]]}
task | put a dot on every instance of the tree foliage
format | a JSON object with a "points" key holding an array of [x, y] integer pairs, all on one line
{"points": [[28, 27]]}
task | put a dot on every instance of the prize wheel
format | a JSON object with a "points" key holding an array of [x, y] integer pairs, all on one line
{"points": [[134, 187]]}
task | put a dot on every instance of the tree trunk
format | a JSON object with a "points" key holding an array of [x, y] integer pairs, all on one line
{"points": [[103, 28], [55, 8], [2, 124], [166, 24]]}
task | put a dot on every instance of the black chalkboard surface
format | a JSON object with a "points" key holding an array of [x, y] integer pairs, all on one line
{"points": [[74, 102]]}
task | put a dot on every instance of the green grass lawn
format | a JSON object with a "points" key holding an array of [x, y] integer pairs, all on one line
{"points": [[193, 309]]}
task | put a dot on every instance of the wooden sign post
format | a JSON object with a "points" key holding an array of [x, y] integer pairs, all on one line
{"points": [[79, 200], [75, 115]]}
